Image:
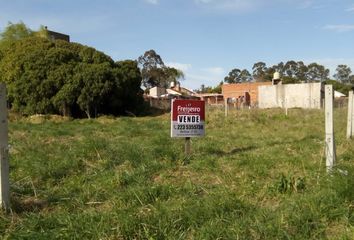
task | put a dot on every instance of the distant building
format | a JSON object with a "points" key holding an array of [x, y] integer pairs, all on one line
{"points": [[160, 98], [184, 91], [57, 36], [338, 94], [157, 92], [245, 92], [299, 95], [212, 98]]}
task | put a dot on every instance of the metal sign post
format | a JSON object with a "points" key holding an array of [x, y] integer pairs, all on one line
{"points": [[187, 120], [330, 144], [187, 146], [226, 107], [4, 160]]}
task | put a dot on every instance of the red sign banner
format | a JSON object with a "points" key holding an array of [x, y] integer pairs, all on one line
{"points": [[187, 118]]}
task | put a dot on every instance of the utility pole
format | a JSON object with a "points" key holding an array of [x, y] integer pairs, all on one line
{"points": [[4, 156]]}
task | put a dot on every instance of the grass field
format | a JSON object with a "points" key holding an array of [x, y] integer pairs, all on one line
{"points": [[255, 175]]}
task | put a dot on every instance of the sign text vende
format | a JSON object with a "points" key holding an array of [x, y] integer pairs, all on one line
{"points": [[188, 119]]}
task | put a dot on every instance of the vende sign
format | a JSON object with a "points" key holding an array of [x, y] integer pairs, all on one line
{"points": [[187, 118]]}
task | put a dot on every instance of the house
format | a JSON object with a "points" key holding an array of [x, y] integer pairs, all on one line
{"points": [[157, 92], [57, 36], [243, 92], [184, 91], [212, 98], [338, 94], [173, 92], [160, 97]]}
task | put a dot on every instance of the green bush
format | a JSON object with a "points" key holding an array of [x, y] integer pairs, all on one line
{"points": [[51, 77]]}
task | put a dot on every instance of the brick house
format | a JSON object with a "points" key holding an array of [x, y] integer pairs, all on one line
{"points": [[244, 92], [212, 98]]}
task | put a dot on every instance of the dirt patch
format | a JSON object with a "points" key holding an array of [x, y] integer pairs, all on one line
{"points": [[28, 204], [40, 118]]}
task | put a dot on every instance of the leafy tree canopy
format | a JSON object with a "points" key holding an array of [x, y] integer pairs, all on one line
{"points": [[15, 32], [154, 72], [238, 76], [45, 76], [291, 72], [204, 89], [343, 73]]}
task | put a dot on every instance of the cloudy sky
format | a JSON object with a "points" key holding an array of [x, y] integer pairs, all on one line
{"points": [[204, 38]]}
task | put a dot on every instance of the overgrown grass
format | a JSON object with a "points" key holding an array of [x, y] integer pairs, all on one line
{"points": [[257, 174]]}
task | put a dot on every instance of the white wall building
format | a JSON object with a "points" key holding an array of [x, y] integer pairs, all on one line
{"points": [[303, 95]]}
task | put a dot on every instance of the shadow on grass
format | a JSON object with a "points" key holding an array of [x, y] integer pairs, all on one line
{"points": [[233, 151], [27, 204], [237, 150]]}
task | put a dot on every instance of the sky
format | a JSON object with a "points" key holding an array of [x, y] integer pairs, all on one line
{"points": [[205, 39]]}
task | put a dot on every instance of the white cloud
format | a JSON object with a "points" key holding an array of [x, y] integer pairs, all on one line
{"points": [[350, 9], [214, 71], [305, 4], [154, 2], [184, 67], [194, 80], [232, 5], [340, 27], [210, 76], [195, 77], [251, 5], [332, 63]]}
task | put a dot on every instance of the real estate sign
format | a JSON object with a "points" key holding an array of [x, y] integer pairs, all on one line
{"points": [[187, 118]]}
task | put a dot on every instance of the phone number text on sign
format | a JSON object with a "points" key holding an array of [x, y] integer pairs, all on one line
{"points": [[187, 118]]}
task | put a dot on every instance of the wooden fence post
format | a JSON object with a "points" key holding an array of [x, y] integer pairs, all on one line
{"points": [[226, 107], [187, 146], [4, 161], [330, 144], [350, 123]]}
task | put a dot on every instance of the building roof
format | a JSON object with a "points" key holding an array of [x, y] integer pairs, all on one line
{"points": [[57, 36], [209, 94], [173, 92], [338, 94]]}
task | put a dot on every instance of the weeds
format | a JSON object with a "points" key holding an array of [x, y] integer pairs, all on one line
{"points": [[257, 174], [290, 184]]}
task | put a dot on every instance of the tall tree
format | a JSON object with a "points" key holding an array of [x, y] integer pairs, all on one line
{"points": [[154, 72], [259, 71], [279, 68], [342, 73], [173, 74], [238, 76], [245, 76], [233, 77], [316, 72], [290, 69], [351, 79], [301, 71], [152, 69]]}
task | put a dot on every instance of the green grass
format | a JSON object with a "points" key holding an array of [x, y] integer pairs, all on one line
{"points": [[256, 174]]}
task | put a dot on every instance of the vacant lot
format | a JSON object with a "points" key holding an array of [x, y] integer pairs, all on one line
{"points": [[255, 175]]}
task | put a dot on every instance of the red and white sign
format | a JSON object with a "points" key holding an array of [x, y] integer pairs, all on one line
{"points": [[187, 118]]}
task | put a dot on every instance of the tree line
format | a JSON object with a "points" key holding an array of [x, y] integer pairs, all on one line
{"points": [[45, 76], [291, 72]]}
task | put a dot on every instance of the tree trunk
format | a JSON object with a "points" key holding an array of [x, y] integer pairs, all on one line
{"points": [[88, 112], [66, 110]]}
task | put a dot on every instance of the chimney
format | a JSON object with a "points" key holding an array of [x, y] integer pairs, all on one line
{"points": [[178, 87]]}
